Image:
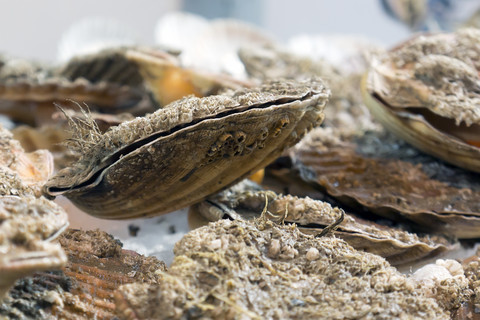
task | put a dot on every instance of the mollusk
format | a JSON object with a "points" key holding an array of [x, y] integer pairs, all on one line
{"points": [[188, 150], [426, 91]]}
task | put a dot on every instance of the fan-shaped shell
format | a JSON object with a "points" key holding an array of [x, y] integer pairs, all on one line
{"points": [[190, 149], [426, 91]]}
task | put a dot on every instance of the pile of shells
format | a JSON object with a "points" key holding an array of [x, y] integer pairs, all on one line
{"points": [[84, 287], [28, 221], [426, 91], [348, 196]]}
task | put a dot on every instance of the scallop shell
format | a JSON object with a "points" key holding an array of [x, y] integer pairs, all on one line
{"points": [[28, 91], [426, 92], [188, 150], [84, 288], [247, 201], [413, 186], [260, 270], [27, 227], [215, 49], [168, 81]]}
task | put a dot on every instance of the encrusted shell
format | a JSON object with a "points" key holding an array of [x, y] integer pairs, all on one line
{"points": [[27, 225], [22, 173], [246, 201], [83, 289], [188, 150], [392, 179], [260, 270], [426, 91]]}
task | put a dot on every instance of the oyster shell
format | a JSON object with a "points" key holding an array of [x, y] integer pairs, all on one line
{"points": [[260, 270], [27, 224], [426, 91], [188, 150], [247, 201], [413, 186]]}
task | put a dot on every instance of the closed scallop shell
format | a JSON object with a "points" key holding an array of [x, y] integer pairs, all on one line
{"points": [[191, 148]]}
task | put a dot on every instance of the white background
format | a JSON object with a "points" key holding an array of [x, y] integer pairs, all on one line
{"points": [[32, 28]]}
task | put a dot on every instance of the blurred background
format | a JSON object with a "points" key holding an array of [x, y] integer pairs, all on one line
{"points": [[32, 29]]}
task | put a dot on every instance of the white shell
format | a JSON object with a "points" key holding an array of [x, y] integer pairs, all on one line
{"points": [[216, 48], [177, 30], [91, 35], [350, 54], [431, 275]]}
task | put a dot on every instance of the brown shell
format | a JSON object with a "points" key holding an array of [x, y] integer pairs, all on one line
{"points": [[426, 91], [28, 91], [392, 179], [311, 216], [84, 288], [346, 108], [189, 149]]}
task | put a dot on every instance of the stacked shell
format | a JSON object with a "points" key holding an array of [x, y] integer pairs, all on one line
{"points": [[28, 221]]}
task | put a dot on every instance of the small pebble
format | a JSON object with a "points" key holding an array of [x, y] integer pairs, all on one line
{"points": [[133, 230], [313, 254]]}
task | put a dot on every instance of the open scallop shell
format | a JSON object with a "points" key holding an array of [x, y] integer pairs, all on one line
{"points": [[168, 81], [426, 91]]}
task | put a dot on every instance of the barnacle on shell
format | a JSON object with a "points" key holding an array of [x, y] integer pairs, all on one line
{"points": [[189, 149], [247, 200], [228, 269]]}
